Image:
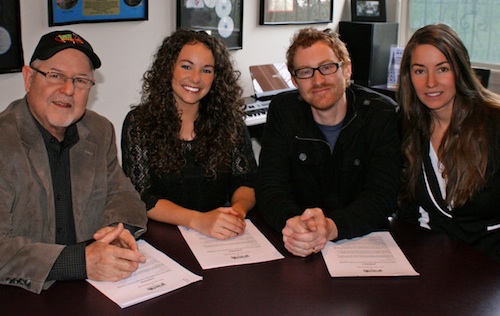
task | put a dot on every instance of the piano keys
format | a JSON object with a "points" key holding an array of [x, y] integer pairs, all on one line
{"points": [[256, 111]]}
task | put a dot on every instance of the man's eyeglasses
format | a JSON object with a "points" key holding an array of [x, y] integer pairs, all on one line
{"points": [[60, 79], [326, 69]]}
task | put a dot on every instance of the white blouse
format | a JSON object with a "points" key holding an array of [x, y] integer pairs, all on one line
{"points": [[437, 167]]}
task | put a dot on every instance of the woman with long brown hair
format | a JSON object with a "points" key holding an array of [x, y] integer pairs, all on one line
{"points": [[451, 141], [185, 146]]}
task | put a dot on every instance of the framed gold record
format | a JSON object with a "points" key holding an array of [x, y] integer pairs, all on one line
{"points": [[64, 12]]}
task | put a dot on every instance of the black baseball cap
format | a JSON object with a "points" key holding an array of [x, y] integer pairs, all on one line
{"points": [[54, 42]]}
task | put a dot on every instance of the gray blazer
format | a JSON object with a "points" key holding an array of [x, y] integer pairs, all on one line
{"points": [[102, 194]]}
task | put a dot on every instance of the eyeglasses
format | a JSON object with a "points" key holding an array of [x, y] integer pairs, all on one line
{"points": [[60, 79], [326, 69]]}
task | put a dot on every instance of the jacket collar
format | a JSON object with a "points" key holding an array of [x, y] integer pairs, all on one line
{"points": [[30, 135], [82, 160], [352, 120]]}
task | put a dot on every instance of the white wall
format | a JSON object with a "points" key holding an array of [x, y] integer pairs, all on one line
{"points": [[126, 50]]}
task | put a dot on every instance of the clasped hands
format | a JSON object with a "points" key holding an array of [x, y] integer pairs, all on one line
{"points": [[221, 223], [113, 255], [308, 233]]}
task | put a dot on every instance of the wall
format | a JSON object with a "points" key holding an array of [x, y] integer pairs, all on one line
{"points": [[126, 50]]}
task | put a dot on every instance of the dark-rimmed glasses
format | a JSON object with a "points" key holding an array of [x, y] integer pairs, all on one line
{"points": [[326, 69], [60, 79]]}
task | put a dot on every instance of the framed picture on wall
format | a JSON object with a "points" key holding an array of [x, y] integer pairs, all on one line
{"points": [[11, 50], [63, 12], [368, 10], [295, 12], [219, 18]]}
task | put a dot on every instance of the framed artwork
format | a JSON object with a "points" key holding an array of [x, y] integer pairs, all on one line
{"points": [[219, 18], [295, 12], [368, 10], [63, 12], [11, 50]]}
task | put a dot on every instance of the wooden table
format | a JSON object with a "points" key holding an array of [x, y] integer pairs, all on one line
{"points": [[454, 280]]}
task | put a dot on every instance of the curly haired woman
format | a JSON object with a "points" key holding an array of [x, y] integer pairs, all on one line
{"points": [[185, 146]]}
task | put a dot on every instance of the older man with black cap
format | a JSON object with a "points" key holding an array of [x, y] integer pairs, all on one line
{"points": [[67, 211]]}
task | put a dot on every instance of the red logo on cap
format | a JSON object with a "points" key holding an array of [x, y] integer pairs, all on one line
{"points": [[73, 38]]}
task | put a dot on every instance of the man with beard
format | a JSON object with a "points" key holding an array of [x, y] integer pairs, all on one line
{"points": [[330, 160]]}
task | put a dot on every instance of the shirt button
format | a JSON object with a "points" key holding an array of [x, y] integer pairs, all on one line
{"points": [[59, 229], [302, 156], [58, 197], [356, 162]]}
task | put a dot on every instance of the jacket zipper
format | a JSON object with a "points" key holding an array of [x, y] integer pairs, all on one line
{"points": [[323, 141]]}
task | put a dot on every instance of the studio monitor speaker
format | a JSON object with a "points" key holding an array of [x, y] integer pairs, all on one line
{"points": [[369, 44]]}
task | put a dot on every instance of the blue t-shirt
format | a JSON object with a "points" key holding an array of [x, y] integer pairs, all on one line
{"points": [[331, 133]]}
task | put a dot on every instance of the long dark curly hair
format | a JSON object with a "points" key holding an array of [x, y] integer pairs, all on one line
{"points": [[220, 112], [465, 148]]}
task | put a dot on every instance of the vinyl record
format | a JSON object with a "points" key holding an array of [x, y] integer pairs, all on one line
{"points": [[210, 3], [66, 4], [223, 8], [226, 27], [133, 3], [5, 40]]}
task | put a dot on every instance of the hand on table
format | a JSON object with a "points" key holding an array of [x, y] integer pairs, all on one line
{"points": [[308, 233], [221, 223], [113, 256], [124, 240]]}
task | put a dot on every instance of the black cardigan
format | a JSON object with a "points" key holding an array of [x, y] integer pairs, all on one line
{"points": [[356, 185], [477, 222]]}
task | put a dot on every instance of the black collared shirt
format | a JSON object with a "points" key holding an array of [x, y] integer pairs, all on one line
{"points": [[58, 153], [71, 262]]}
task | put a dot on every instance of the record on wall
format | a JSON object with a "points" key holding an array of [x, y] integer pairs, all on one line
{"points": [[219, 18], [11, 51]]}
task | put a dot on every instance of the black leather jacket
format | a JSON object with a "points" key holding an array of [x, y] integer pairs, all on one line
{"points": [[356, 185]]}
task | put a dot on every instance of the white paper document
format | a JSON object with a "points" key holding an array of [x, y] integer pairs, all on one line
{"points": [[375, 254], [159, 275], [250, 247]]}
